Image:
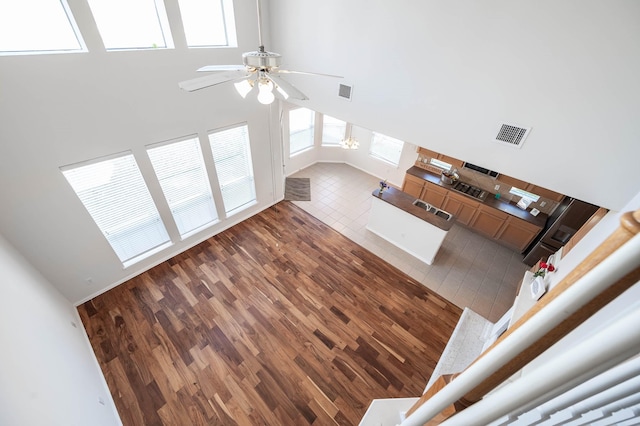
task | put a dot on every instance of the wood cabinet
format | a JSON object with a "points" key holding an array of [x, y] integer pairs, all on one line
{"points": [[517, 233], [413, 185], [427, 152], [434, 194], [461, 207], [545, 193], [511, 181], [488, 221]]}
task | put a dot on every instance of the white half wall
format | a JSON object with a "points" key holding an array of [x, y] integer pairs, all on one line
{"points": [[49, 374], [609, 313]]}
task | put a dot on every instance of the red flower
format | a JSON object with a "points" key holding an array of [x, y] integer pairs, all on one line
{"points": [[543, 265], [551, 268]]}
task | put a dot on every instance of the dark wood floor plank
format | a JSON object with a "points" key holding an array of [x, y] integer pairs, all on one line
{"points": [[277, 320]]}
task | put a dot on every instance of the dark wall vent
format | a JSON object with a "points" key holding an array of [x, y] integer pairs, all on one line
{"points": [[512, 135], [345, 91]]}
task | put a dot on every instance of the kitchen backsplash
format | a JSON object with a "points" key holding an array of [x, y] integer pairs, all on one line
{"points": [[488, 184]]}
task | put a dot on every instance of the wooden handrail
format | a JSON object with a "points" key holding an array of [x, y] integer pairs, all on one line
{"points": [[629, 226]]}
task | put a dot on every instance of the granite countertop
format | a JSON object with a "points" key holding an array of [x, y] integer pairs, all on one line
{"points": [[404, 202], [498, 204]]}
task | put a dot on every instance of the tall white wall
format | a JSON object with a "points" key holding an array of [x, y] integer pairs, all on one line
{"points": [[48, 372], [57, 110], [443, 75]]}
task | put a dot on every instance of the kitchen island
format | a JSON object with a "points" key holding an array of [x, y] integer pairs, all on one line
{"points": [[394, 217]]}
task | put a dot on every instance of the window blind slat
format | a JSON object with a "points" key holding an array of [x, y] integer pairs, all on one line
{"points": [[116, 196], [182, 176], [301, 129], [333, 130], [386, 148], [232, 157]]}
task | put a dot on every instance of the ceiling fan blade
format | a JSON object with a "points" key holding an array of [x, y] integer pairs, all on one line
{"points": [[211, 80], [306, 73], [285, 88], [210, 68]]}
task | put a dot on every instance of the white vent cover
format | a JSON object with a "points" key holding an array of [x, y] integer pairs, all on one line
{"points": [[512, 135], [345, 91]]}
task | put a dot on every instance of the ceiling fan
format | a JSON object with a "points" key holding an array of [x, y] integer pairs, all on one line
{"points": [[261, 68]]}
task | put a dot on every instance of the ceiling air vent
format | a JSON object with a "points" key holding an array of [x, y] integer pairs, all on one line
{"points": [[512, 135], [345, 91]]}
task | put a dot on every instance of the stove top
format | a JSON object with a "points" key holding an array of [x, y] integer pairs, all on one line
{"points": [[470, 190]]}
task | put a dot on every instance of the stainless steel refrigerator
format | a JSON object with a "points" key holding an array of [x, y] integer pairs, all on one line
{"points": [[561, 225]]}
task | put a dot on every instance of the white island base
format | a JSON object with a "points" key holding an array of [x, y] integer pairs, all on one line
{"points": [[416, 236]]}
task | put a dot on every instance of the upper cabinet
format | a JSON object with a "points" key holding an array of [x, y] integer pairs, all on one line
{"points": [[545, 193]]}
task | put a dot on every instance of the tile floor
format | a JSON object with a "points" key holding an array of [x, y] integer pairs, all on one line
{"points": [[469, 270]]}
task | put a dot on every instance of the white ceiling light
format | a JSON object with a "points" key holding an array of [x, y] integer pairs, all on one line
{"points": [[265, 91], [260, 68], [244, 87]]}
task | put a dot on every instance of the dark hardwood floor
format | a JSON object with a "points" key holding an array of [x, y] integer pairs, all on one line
{"points": [[279, 320]]}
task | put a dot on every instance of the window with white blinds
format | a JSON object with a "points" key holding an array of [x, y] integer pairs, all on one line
{"points": [[117, 198], [333, 131], [386, 148], [183, 178], [232, 156], [301, 129]]}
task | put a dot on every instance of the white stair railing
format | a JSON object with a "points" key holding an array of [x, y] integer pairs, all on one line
{"points": [[584, 365]]}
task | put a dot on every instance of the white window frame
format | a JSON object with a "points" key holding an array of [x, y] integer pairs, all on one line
{"points": [[181, 172], [41, 27], [326, 141], [242, 182], [311, 130], [383, 154], [524, 194], [120, 205], [441, 164]]}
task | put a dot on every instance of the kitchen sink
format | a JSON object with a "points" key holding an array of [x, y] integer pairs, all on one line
{"points": [[429, 208]]}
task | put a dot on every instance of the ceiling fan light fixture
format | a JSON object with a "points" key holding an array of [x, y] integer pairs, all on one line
{"points": [[261, 68], [243, 87], [265, 92]]}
